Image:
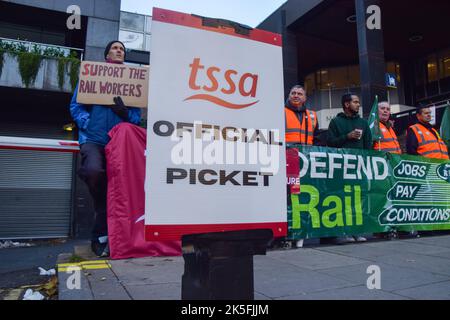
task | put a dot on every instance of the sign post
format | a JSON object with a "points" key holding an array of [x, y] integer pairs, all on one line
{"points": [[215, 171]]}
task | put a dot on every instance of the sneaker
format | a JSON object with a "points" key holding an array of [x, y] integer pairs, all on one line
{"points": [[299, 243], [101, 250], [360, 239], [286, 244], [343, 240], [105, 252], [349, 239]]}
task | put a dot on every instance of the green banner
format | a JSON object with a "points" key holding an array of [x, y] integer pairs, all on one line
{"points": [[350, 192]]}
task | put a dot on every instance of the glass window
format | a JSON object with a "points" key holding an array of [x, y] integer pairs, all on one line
{"points": [[323, 76], [148, 42], [148, 24], [420, 72], [132, 21], [338, 77], [444, 61], [132, 40], [353, 76], [432, 70], [310, 85]]}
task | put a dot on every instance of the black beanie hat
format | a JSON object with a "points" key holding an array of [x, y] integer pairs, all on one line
{"points": [[109, 45]]}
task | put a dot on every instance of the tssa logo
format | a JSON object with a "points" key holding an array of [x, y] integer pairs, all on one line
{"points": [[246, 85]]}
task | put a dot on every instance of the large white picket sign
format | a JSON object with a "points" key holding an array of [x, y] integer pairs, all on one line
{"points": [[215, 142]]}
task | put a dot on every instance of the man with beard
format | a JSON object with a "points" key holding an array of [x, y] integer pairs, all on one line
{"points": [[301, 123], [349, 130]]}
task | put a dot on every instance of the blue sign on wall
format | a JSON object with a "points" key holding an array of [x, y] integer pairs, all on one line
{"points": [[391, 80]]}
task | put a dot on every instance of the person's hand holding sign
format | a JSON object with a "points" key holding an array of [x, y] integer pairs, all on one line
{"points": [[119, 108]]}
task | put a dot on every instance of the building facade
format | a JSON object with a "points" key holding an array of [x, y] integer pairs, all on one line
{"points": [[394, 49], [40, 194]]}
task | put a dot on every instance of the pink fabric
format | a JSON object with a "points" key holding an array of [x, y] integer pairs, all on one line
{"points": [[126, 198]]}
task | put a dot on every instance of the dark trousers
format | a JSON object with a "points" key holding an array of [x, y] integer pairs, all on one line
{"points": [[93, 172]]}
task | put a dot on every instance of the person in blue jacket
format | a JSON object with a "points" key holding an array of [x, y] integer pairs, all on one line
{"points": [[94, 122]]}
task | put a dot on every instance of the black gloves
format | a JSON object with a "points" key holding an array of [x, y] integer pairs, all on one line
{"points": [[119, 108]]}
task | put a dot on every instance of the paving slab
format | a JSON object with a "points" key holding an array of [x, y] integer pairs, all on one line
{"points": [[410, 246], [149, 270], [428, 264], [392, 277], [313, 259], [166, 291], [444, 255], [106, 286], [348, 293], [436, 291], [360, 250], [441, 241], [275, 279]]}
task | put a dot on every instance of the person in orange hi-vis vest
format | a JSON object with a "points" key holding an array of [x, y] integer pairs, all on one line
{"points": [[424, 140], [388, 141], [302, 126]]}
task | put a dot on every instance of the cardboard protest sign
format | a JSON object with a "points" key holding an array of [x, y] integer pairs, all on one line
{"points": [[216, 154], [100, 82]]}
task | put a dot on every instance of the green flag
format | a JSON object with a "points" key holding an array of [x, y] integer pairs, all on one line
{"points": [[445, 126], [374, 121]]}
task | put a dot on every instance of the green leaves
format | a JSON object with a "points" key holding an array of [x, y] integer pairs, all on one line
{"points": [[30, 59]]}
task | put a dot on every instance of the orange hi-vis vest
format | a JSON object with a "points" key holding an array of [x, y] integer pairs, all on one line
{"points": [[300, 133], [388, 141], [428, 145]]}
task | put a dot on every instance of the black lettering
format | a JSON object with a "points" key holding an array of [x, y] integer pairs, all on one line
{"points": [[273, 140], [203, 173], [116, 72], [110, 71], [173, 174], [132, 86], [266, 176], [157, 128], [225, 134], [115, 89], [192, 176], [82, 88], [138, 88], [183, 126], [225, 178], [258, 136], [102, 87], [249, 178]]}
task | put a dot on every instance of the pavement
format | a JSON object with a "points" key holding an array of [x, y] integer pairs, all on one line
{"points": [[416, 268], [19, 265]]}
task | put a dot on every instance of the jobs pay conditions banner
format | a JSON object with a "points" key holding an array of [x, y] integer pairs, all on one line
{"points": [[350, 192]]}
